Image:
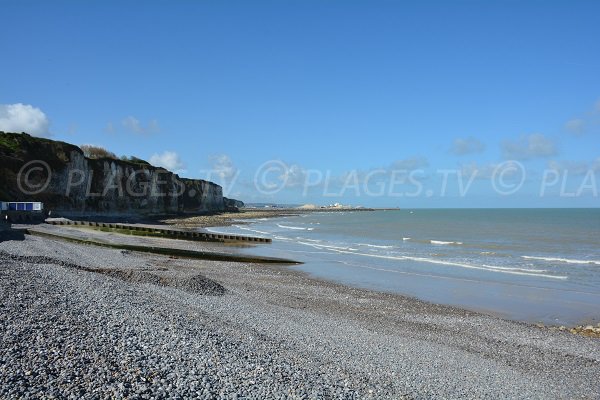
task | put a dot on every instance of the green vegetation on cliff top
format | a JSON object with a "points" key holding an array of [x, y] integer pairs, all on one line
{"points": [[14, 143]]}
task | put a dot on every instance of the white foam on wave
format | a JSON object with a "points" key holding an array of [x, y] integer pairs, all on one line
{"points": [[443, 242], [308, 252], [516, 268], [244, 228], [490, 268], [216, 231], [349, 250], [296, 228], [310, 240], [286, 239], [408, 272], [564, 260], [375, 246], [404, 239], [447, 277]]}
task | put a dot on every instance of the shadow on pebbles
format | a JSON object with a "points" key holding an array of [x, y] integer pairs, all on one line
{"points": [[191, 283]]}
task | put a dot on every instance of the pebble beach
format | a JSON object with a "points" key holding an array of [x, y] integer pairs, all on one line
{"points": [[80, 321]]}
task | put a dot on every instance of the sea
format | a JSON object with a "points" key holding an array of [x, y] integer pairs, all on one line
{"points": [[532, 265]]}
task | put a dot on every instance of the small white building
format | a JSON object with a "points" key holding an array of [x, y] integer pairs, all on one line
{"points": [[21, 206], [22, 211]]}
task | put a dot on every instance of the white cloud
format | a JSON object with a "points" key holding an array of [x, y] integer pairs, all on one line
{"points": [[409, 164], [169, 160], [575, 126], [134, 125], [397, 170], [282, 174], [575, 167], [480, 171], [528, 147], [467, 145], [509, 170], [223, 166], [23, 118], [586, 122], [278, 174], [294, 176], [109, 128]]}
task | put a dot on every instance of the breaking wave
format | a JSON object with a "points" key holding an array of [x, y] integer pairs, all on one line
{"points": [[564, 260]]}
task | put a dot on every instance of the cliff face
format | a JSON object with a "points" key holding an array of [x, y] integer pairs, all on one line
{"points": [[70, 184]]}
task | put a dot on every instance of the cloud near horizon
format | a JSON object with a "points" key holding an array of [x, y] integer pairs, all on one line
{"points": [[575, 167], [134, 125], [169, 160], [510, 170], [223, 166], [294, 176], [409, 164], [582, 124], [398, 169], [469, 145], [528, 147], [20, 117], [576, 126]]}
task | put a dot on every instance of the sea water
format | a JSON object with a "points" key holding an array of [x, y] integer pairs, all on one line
{"points": [[525, 264]]}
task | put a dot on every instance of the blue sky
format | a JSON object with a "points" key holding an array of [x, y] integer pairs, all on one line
{"points": [[323, 88]]}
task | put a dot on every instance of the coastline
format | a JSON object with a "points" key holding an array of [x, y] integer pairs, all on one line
{"points": [[229, 218], [562, 313], [584, 326], [240, 251], [273, 331]]}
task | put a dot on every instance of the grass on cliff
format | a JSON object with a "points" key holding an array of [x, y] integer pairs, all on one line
{"points": [[9, 142], [26, 147]]}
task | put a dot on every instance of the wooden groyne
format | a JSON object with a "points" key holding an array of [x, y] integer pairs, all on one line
{"points": [[165, 251], [160, 232]]}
